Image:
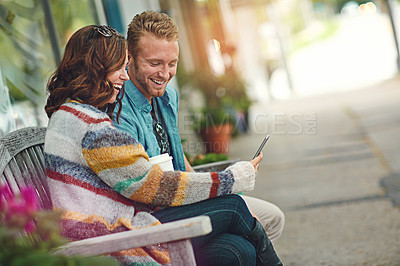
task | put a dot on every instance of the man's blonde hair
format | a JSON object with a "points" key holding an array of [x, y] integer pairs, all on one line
{"points": [[150, 22]]}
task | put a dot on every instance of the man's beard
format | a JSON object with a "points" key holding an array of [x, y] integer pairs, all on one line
{"points": [[142, 82]]}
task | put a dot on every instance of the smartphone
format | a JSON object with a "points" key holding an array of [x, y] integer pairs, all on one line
{"points": [[261, 146]]}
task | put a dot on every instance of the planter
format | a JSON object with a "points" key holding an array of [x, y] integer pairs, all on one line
{"points": [[217, 138]]}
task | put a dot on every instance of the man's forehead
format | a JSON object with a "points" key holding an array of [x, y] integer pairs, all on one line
{"points": [[149, 38], [158, 49]]}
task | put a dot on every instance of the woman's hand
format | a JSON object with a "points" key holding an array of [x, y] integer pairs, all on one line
{"points": [[256, 161]]}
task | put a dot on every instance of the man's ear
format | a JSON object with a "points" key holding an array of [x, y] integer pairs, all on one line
{"points": [[130, 59]]}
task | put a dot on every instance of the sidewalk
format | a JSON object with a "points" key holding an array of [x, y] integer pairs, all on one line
{"points": [[327, 165]]}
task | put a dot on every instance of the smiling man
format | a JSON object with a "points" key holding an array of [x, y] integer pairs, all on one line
{"points": [[150, 105]]}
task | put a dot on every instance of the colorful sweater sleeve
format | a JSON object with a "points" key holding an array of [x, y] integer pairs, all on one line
{"points": [[121, 162]]}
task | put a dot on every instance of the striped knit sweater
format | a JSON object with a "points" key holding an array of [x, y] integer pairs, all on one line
{"points": [[102, 179]]}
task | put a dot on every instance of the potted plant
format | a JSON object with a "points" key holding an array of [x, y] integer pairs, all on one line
{"points": [[236, 98], [216, 130], [223, 96]]}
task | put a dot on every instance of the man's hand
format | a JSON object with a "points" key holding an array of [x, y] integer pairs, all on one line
{"points": [[256, 161], [187, 164]]}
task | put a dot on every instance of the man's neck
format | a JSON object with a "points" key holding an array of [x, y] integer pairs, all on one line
{"points": [[142, 91], [138, 86]]}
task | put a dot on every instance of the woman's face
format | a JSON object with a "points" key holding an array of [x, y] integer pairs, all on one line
{"points": [[118, 78]]}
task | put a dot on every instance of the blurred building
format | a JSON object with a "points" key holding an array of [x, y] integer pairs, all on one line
{"points": [[33, 34], [250, 36]]}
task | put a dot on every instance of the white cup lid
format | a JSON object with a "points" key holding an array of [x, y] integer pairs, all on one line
{"points": [[160, 158]]}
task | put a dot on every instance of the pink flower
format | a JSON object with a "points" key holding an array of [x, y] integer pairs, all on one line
{"points": [[30, 198], [30, 226], [15, 208], [19, 211]]}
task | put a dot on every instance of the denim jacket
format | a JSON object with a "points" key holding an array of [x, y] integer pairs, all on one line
{"points": [[136, 120]]}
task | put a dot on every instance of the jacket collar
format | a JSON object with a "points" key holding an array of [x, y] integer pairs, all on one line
{"points": [[137, 98]]}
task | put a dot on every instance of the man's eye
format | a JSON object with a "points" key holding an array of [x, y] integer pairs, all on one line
{"points": [[154, 64]]}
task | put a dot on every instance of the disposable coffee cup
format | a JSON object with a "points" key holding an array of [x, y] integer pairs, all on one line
{"points": [[164, 161]]}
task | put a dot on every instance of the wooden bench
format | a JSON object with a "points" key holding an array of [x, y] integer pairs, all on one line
{"points": [[22, 164]]}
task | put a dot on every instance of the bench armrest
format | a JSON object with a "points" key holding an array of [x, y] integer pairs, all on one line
{"points": [[173, 231]]}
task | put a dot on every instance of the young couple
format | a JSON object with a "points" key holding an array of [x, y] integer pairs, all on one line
{"points": [[101, 177]]}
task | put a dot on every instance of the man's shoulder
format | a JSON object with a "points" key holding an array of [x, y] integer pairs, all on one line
{"points": [[171, 90], [171, 93]]}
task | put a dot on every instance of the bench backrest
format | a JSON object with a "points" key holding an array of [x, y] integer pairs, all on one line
{"points": [[22, 162]]}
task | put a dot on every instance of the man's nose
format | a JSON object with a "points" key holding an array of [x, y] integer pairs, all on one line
{"points": [[164, 73]]}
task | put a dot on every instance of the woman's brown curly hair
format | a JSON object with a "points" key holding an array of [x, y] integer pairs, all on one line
{"points": [[82, 73]]}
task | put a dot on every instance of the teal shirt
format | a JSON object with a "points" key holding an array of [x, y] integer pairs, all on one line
{"points": [[136, 120]]}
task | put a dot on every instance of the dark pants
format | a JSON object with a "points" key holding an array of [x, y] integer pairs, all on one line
{"points": [[230, 219]]}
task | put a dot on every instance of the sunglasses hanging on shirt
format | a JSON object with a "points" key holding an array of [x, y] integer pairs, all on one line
{"points": [[158, 128]]}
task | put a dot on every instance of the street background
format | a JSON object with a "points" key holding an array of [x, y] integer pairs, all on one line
{"points": [[332, 163], [329, 184]]}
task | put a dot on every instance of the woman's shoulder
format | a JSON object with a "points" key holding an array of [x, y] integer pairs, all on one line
{"points": [[83, 107], [85, 112]]}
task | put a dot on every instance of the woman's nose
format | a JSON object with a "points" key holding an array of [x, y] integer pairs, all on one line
{"points": [[124, 75]]}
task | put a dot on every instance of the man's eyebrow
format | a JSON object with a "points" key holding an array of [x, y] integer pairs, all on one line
{"points": [[154, 59], [160, 60]]}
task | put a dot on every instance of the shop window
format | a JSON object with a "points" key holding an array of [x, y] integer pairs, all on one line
{"points": [[27, 57]]}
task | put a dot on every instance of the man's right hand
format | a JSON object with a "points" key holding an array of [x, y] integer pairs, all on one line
{"points": [[187, 164], [256, 161]]}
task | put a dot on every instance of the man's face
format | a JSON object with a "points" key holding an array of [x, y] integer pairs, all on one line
{"points": [[154, 66]]}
